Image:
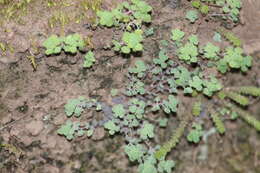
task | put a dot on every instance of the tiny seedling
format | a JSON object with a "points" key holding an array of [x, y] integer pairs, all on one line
{"points": [[135, 87], [217, 37], [89, 59], [119, 111], [162, 59], [132, 41], [163, 122], [111, 127], [211, 51], [147, 131], [149, 32], [114, 92], [134, 152], [53, 45], [170, 105], [177, 35], [235, 59], [74, 107], [139, 69], [70, 44], [68, 130], [192, 16], [126, 13], [195, 134], [188, 53]]}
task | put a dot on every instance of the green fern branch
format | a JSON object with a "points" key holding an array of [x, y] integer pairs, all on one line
{"points": [[218, 122], [236, 97], [169, 145], [247, 117], [248, 90], [231, 37], [221, 95], [196, 109]]}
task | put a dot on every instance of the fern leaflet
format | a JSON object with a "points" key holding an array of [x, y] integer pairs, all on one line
{"points": [[169, 145], [238, 98], [196, 109], [230, 36], [247, 117], [248, 90], [218, 123]]}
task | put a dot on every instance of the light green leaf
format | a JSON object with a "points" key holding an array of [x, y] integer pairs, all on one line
{"points": [[211, 51], [52, 45], [112, 127], [132, 39], [171, 105], [89, 59], [68, 129], [163, 122], [217, 37], [195, 134], [119, 111], [134, 152], [192, 16], [166, 166], [106, 18], [162, 59], [147, 131], [196, 83], [74, 106], [177, 35], [139, 68], [147, 167]]}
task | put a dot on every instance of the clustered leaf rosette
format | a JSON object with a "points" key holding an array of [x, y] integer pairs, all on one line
{"points": [[70, 44], [234, 59], [231, 8], [192, 16], [89, 59], [127, 14], [53, 45], [231, 58], [131, 42], [137, 11], [75, 108]]}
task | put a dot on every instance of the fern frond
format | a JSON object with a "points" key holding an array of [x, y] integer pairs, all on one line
{"points": [[221, 95], [231, 37], [248, 90], [196, 109], [247, 117], [250, 120], [218, 122], [169, 145], [238, 98]]}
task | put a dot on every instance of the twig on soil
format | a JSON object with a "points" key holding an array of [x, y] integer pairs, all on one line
{"points": [[218, 14], [214, 5], [12, 123]]}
